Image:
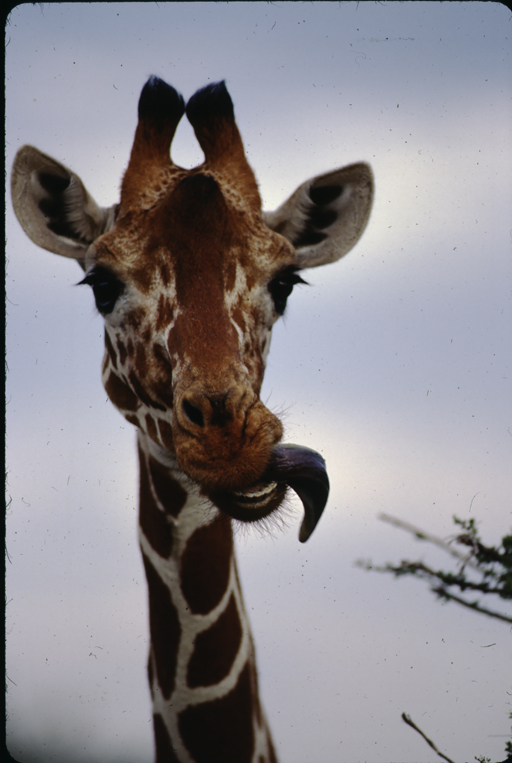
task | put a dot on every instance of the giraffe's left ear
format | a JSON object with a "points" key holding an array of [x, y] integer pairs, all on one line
{"points": [[326, 215], [53, 206]]}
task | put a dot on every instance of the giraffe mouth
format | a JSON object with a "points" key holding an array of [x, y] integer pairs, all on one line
{"points": [[258, 495], [293, 466]]}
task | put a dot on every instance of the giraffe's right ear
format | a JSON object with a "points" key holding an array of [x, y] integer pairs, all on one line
{"points": [[53, 206]]}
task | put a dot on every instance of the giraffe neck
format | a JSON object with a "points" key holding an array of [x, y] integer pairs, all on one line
{"points": [[201, 667]]}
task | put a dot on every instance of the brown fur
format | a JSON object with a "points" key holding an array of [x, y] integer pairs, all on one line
{"points": [[203, 229]]}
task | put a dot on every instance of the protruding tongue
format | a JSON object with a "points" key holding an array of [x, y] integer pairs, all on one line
{"points": [[304, 471]]}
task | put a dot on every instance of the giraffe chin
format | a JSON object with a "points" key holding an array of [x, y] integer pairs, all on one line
{"points": [[293, 466]]}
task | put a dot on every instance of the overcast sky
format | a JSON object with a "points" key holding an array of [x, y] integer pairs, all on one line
{"points": [[394, 363]]}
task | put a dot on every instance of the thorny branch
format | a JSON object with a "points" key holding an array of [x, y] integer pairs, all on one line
{"points": [[493, 565]]}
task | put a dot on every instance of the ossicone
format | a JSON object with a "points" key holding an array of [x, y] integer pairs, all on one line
{"points": [[210, 112], [160, 101], [210, 103]]}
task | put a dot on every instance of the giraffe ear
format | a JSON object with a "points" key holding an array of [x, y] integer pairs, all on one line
{"points": [[53, 206], [326, 215]]}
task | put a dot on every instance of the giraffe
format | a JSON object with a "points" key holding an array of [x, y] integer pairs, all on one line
{"points": [[190, 275]]}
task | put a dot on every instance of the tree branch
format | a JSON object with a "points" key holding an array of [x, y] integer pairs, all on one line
{"points": [[471, 605], [422, 535], [411, 723]]}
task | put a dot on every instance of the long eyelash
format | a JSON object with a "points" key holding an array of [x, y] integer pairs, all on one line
{"points": [[106, 286], [281, 286]]}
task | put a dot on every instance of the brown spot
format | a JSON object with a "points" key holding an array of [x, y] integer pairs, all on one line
{"points": [[153, 521], [132, 420], [164, 392], [162, 357], [165, 430], [205, 565], [221, 730], [141, 361], [151, 428], [164, 627], [162, 376], [122, 351], [143, 277], [215, 649], [164, 749], [164, 313], [170, 493], [165, 273], [135, 317], [110, 349], [105, 364], [120, 393], [142, 394]]}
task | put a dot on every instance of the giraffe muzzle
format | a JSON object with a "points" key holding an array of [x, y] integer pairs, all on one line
{"points": [[294, 466], [252, 470]]}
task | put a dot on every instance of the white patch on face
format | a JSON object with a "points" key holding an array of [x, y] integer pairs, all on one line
{"points": [[239, 288], [239, 332], [107, 367], [266, 347], [178, 364]]}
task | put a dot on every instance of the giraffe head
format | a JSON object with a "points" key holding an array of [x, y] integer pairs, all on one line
{"points": [[190, 277]]}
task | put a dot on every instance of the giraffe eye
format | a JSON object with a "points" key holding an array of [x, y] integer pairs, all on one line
{"points": [[106, 286], [282, 285]]}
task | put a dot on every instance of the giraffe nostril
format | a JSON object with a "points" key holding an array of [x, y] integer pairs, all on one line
{"points": [[193, 414]]}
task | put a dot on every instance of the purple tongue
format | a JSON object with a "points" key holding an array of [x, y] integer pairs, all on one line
{"points": [[304, 471]]}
